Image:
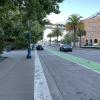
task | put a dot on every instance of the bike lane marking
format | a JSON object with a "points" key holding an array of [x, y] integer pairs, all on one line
{"points": [[41, 90], [80, 61]]}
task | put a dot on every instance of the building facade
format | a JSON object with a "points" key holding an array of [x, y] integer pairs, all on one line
{"points": [[92, 27]]}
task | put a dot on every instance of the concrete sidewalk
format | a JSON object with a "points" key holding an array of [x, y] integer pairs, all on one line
{"points": [[17, 76]]}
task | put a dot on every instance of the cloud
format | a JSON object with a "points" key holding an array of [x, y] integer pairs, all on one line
{"points": [[46, 32], [58, 18]]}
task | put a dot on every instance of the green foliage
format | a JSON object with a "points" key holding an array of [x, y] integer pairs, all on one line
{"points": [[37, 30], [1, 40], [57, 32], [50, 35], [20, 43], [68, 38], [81, 32], [1, 44], [72, 24], [15, 14]]}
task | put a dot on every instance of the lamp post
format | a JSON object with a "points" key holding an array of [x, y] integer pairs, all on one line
{"points": [[29, 40]]}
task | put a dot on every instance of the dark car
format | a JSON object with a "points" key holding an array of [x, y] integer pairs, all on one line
{"points": [[39, 47], [66, 47]]}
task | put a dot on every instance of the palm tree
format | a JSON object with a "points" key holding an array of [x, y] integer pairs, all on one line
{"points": [[80, 33], [57, 32], [50, 35], [72, 24], [67, 38]]}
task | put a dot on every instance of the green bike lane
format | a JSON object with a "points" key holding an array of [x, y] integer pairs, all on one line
{"points": [[89, 64]]}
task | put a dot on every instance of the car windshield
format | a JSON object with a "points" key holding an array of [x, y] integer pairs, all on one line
{"points": [[39, 45], [66, 45]]}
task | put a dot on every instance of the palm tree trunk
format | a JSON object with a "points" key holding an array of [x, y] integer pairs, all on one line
{"points": [[50, 41], [57, 40], [80, 42], [74, 41]]}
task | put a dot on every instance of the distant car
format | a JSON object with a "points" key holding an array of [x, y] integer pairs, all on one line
{"points": [[65, 47], [39, 47]]}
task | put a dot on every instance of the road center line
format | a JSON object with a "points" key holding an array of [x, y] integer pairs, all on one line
{"points": [[41, 90]]}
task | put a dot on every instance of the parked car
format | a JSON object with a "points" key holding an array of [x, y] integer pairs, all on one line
{"points": [[65, 47], [39, 47]]}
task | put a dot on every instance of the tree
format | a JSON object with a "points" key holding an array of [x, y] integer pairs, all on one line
{"points": [[81, 32], [1, 44], [67, 38], [14, 15], [72, 24], [50, 35], [1, 40], [57, 32]]}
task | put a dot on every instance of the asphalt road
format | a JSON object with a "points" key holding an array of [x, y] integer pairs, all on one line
{"points": [[93, 55], [90, 54], [69, 81]]}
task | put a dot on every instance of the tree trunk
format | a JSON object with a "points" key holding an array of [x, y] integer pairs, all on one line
{"points": [[50, 41], [80, 42], [57, 40], [74, 41]]}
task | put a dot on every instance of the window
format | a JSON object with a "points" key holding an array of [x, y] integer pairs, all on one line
{"points": [[95, 41], [86, 42]]}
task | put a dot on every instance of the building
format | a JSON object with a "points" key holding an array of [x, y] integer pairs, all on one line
{"points": [[92, 27]]}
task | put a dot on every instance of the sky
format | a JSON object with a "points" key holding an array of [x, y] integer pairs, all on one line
{"points": [[84, 8]]}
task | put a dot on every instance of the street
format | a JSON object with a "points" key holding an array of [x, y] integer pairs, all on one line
{"points": [[57, 75], [90, 54], [68, 80]]}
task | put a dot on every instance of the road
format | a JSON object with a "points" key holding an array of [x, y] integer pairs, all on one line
{"points": [[90, 54], [66, 77], [68, 80]]}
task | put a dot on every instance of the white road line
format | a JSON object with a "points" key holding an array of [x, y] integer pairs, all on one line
{"points": [[41, 90]]}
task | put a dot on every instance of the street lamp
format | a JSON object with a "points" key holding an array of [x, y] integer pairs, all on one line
{"points": [[29, 39]]}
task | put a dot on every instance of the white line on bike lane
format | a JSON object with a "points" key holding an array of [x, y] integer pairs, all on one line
{"points": [[41, 90]]}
